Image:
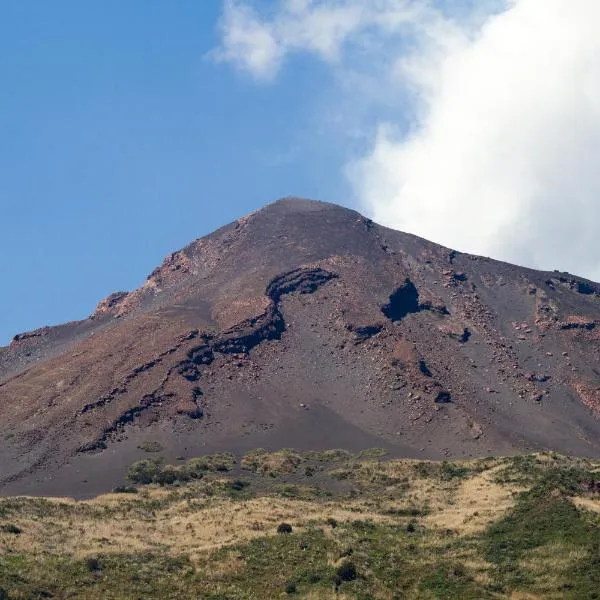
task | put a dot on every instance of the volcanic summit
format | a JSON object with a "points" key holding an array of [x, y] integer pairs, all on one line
{"points": [[305, 325]]}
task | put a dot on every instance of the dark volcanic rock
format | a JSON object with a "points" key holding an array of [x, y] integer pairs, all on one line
{"points": [[403, 301], [443, 397], [305, 324]]}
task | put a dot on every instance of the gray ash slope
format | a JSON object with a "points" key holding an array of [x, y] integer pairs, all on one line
{"points": [[305, 324]]}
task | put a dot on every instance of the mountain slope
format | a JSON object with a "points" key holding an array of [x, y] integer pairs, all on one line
{"points": [[305, 324]]}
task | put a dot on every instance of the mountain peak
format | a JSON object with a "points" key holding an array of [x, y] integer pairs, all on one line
{"points": [[298, 204], [306, 324]]}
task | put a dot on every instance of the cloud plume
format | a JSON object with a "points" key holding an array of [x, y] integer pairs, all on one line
{"points": [[494, 146]]}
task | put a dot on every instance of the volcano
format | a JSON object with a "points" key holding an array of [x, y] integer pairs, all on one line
{"points": [[305, 325]]}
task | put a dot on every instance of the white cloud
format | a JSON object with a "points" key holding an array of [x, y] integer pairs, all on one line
{"points": [[247, 42], [259, 45], [502, 153]]}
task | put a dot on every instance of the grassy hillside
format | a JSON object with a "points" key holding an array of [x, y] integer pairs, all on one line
{"points": [[315, 526]]}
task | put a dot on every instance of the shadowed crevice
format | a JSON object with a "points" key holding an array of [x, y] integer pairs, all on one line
{"points": [[403, 301]]}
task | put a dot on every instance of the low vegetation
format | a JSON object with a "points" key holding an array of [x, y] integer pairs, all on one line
{"points": [[154, 471], [315, 525]]}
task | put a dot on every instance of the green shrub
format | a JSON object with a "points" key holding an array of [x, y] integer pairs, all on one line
{"points": [[290, 588], [221, 462], [252, 460], [10, 528], [335, 455], [93, 564], [346, 571], [169, 475], [450, 471], [372, 453], [237, 485], [272, 463], [143, 471], [284, 528], [150, 446], [125, 489]]}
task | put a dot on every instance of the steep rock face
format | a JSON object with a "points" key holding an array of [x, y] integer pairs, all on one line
{"points": [[305, 324]]}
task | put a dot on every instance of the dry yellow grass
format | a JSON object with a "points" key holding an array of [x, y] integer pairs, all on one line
{"points": [[416, 526], [477, 502], [272, 462], [324, 595], [587, 503], [181, 527], [196, 526]]}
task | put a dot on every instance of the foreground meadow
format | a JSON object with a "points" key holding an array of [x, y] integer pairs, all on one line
{"points": [[315, 526]]}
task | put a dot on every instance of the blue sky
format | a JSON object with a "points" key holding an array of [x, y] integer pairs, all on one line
{"points": [[121, 142], [130, 128]]}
